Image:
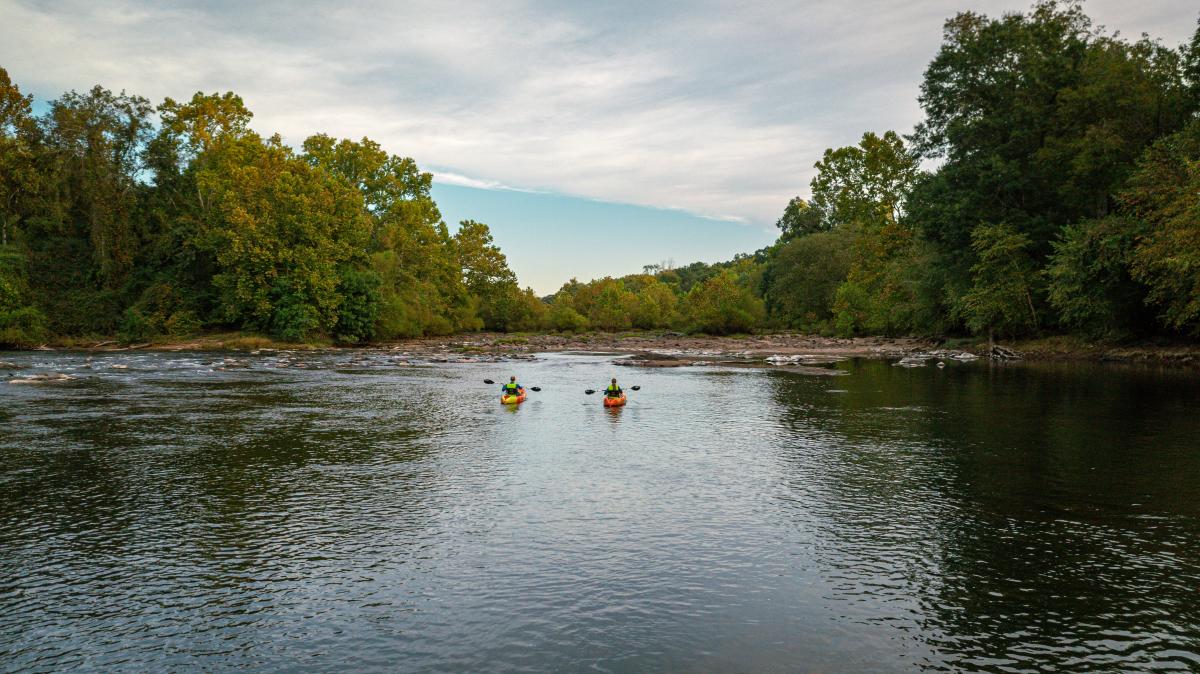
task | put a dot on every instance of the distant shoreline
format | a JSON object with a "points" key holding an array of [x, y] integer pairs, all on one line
{"points": [[666, 349]]}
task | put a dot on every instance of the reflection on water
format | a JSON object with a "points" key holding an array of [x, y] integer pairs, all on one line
{"points": [[170, 515]]}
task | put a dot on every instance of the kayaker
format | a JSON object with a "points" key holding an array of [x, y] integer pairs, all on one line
{"points": [[512, 388], [613, 391]]}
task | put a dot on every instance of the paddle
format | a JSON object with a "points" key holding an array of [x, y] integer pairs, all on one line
{"points": [[631, 388], [531, 388]]}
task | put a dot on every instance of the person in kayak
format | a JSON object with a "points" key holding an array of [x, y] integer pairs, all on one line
{"points": [[512, 388], [613, 391]]}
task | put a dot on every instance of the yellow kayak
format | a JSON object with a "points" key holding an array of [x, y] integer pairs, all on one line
{"points": [[508, 399]]}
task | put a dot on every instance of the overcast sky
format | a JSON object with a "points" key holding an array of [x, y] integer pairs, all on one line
{"points": [[665, 117]]}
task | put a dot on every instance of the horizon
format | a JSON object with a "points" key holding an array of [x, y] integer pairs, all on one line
{"points": [[592, 147]]}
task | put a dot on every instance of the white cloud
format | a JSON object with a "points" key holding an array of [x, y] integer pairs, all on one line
{"points": [[715, 109], [449, 178]]}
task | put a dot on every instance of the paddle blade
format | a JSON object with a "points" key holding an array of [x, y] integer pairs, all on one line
{"points": [[488, 381], [590, 391], [535, 388], [635, 388]]}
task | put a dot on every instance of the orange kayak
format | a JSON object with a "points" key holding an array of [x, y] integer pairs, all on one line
{"points": [[614, 402], [506, 399]]}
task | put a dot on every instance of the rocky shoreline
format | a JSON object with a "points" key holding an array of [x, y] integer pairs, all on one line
{"points": [[784, 351]]}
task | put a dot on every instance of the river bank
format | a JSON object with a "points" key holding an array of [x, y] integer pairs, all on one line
{"points": [[672, 349]]}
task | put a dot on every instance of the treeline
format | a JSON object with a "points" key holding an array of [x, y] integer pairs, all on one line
{"points": [[1065, 199], [120, 218], [1053, 186]]}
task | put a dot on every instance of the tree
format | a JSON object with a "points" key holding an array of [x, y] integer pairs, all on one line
{"points": [[656, 306], [502, 305], [800, 219], [196, 125], [19, 175], [1089, 281], [1039, 118], [1164, 194], [423, 288], [1001, 298], [612, 306], [803, 275], [865, 188], [280, 231], [719, 306], [21, 323], [98, 139], [864, 184], [563, 316], [359, 310]]}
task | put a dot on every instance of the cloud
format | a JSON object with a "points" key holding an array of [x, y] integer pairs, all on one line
{"points": [[715, 109], [460, 180]]}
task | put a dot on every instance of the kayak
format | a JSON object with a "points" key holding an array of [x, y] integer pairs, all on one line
{"points": [[614, 402], [506, 399]]}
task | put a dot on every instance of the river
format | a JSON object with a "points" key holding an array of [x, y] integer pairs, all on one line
{"points": [[164, 512]]}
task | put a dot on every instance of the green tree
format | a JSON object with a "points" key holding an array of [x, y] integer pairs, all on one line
{"points": [[487, 277], [20, 179], [1164, 194], [1089, 282], [800, 219], [423, 288], [563, 316], [656, 306], [280, 231], [1001, 298], [719, 306], [196, 125], [803, 275], [864, 188], [98, 139], [612, 306], [359, 310], [864, 184], [1039, 118], [21, 323]]}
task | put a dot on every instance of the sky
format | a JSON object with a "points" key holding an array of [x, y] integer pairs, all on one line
{"points": [[593, 137]]}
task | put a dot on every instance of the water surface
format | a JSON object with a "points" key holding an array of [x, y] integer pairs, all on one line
{"points": [[169, 515]]}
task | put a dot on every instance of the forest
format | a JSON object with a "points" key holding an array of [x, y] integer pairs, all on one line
{"points": [[1052, 187]]}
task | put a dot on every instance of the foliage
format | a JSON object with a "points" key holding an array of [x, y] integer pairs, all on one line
{"points": [[563, 317], [279, 231], [161, 311], [864, 184], [502, 304], [1064, 196], [803, 275], [1164, 194], [657, 306], [1089, 282], [112, 225], [800, 219], [21, 323], [719, 306], [359, 310], [1001, 297]]}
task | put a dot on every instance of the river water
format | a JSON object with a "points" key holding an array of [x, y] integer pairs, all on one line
{"points": [[169, 514]]}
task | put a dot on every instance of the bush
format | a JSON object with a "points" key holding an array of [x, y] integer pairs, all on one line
{"points": [[161, 310], [22, 327]]}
